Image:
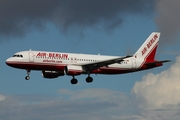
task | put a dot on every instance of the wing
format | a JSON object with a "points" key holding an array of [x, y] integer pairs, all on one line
{"points": [[95, 65]]}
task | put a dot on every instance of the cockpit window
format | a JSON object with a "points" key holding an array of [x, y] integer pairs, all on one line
{"points": [[17, 55]]}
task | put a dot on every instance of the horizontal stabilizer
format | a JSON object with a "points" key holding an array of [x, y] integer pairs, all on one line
{"points": [[156, 62]]}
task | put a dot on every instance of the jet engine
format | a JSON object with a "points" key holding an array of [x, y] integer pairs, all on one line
{"points": [[52, 74], [74, 70]]}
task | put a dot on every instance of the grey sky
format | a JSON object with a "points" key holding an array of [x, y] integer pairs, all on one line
{"points": [[21, 16]]}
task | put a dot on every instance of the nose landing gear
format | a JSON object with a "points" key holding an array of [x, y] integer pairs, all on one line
{"points": [[27, 77], [28, 73]]}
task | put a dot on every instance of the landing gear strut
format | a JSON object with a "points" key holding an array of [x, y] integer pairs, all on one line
{"points": [[74, 80], [28, 73]]}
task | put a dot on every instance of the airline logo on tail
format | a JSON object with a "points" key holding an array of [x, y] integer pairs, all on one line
{"points": [[149, 44], [148, 48]]}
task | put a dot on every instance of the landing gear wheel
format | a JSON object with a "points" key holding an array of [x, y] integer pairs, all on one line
{"points": [[28, 73], [27, 77], [89, 79], [74, 81]]}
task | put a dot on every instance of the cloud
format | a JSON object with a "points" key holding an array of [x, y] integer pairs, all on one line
{"points": [[93, 93], [20, 17], [92, 104], [158, 91], [2, 97], [62, 107], [167, 20]]}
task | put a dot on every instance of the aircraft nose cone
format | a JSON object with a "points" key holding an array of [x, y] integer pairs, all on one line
{"points": [[12, 63], [8, 61]]}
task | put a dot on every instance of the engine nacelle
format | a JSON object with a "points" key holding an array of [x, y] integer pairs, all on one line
{"points": [[74, 70], [52, 74]]}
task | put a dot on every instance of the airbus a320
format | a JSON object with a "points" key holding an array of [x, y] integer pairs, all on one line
{"points": [[55, 64]]}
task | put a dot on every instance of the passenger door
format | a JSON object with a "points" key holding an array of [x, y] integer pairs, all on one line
{"points": [[31, 57]]}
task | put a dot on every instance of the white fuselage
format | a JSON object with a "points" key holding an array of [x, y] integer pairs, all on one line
{"points": [[41, 60]]}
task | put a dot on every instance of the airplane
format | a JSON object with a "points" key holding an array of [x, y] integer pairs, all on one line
{"points": [[55, 64]]}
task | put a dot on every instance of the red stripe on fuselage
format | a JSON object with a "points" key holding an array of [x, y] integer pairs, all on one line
{"points": [[36, 66], [61, 67]]}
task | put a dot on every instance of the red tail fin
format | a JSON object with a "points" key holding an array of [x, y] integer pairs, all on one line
{"points": [[152, 53], [148, 49]]}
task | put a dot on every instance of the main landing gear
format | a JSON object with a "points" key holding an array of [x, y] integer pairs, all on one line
{"points": [[28, 73], [89, 79], [75, 81]]}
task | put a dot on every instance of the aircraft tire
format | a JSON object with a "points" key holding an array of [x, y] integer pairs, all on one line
{"points": [[74, 81], [27, 77], [89, 79]]}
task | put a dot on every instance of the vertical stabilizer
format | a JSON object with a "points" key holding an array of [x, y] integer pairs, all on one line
{"points": [[148, 49]]}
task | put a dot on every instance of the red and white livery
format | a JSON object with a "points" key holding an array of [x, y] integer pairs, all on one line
{"points": [[55, 64]]}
